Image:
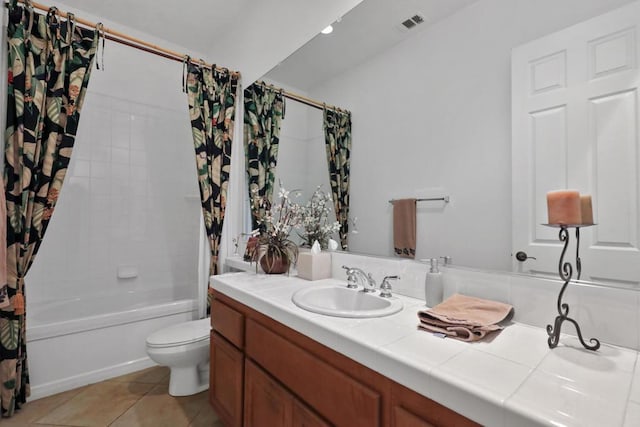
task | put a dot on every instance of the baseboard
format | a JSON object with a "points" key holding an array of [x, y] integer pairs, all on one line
{"points": [[47, 389]]}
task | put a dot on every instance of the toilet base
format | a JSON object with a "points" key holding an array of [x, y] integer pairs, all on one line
{"points": [[185, 381]]}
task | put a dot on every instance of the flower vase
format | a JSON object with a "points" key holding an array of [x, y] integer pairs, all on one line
{"points": [[273, 262]]}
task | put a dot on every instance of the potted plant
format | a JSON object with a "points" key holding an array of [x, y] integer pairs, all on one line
{"points": [[275, 251], [315, 222]]}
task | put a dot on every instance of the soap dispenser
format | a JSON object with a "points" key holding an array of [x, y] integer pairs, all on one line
{"points": [[433, 287]]}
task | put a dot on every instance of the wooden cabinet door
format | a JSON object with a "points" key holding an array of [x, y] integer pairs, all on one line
{"points": [[410, 409], [226, 381], [340, 398], [304, 417], [266, 402], [404, 418]]}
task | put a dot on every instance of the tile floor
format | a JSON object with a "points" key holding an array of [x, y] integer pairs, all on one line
{"points": [[140, 399]]}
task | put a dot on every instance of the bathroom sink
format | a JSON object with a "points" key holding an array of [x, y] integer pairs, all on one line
{"points": [[340, 301]]}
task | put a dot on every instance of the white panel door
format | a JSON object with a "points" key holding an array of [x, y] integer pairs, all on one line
{"points": [[575, 121]]}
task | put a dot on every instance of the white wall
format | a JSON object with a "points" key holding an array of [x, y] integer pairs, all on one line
{"points": [[431, 116], [302, 161], [271, 30]]}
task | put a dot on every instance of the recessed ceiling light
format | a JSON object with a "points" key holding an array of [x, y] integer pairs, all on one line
{"points": [[327, 30]]}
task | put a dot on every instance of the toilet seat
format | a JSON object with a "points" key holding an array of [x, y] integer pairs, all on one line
{"points": [[181, 334]]}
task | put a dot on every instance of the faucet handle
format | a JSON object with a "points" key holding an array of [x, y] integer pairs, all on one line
{"points": [[385, 287], [352, 280], [447, 260]]}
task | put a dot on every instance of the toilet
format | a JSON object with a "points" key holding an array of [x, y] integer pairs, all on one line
{"points": [[184, 348]]}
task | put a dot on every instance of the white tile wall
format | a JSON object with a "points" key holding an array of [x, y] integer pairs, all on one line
{"points": [[124, 201]]}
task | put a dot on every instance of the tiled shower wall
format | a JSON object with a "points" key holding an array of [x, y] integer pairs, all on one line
{"points": [[130, 201]]}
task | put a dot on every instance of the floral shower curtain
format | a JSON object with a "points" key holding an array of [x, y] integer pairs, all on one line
{"points": [[337, 135], [49, 65], [263, 114], [212, 95]]}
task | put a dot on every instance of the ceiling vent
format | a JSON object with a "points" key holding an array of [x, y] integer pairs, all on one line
{"points": [[413, 21]]}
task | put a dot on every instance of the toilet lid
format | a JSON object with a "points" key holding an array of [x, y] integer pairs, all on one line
{"points": [[182, 333]]}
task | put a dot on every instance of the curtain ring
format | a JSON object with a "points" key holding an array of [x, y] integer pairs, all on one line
{"points": [[101, 33], [71, 26], [185, 70], [52, 13], [53, 21], [30, 26]]}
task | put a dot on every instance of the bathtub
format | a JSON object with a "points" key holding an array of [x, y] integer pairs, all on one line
{"points": [[74, 342]]}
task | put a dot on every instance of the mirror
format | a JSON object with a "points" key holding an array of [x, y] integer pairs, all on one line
{"points": [[431, 111]]}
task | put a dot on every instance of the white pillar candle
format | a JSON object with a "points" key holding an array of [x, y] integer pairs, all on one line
{"points": [[563, 207]]}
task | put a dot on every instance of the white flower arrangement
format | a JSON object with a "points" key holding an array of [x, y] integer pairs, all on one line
{"points": [[315, 222]]}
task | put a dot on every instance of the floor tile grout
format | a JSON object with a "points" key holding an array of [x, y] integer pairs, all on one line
{"points": [[135, 390]]}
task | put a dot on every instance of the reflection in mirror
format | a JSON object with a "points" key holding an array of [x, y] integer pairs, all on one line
{"points": [[432, 116], [301, 161]]}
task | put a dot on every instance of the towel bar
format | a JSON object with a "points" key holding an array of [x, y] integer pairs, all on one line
{"points": [[445, 199]]}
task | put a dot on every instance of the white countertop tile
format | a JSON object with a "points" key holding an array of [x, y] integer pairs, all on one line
{"points": [[484, 373], [555, 400], [377, 332], [423, 350], [510, 379], [633, 415], [634, 396], [519, 343]]}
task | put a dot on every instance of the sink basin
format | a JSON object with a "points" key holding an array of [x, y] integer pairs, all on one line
{"points": [[340, 301]]}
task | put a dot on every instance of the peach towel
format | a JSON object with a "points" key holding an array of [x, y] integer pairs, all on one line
{"points": [[404, 227], [464, 318]]}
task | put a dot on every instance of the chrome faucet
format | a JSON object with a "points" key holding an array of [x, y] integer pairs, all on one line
{"points": [[352, 279], [353, 273], [385, 287]]}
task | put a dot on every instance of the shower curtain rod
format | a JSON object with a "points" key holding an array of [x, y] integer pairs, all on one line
{"points": [[130, 41], [119, 37], [304, 100]]}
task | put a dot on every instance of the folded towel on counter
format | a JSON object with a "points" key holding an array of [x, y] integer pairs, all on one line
{"points": [[404, 227], [464, 318]]}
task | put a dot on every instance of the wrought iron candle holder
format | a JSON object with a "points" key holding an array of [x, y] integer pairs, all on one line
{"points": [[565, 270]]}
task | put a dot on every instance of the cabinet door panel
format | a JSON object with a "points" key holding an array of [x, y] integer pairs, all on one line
{"points": [[304, 417], [228, 322], [226, 380], [404, 418], [266, 402], [340, 398], [410, 409]]}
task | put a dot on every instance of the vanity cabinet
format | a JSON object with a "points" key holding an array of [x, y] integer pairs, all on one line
{"points": [[266, 374], [411, 409], [226, 380], [267, 403], [226, 360]]}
